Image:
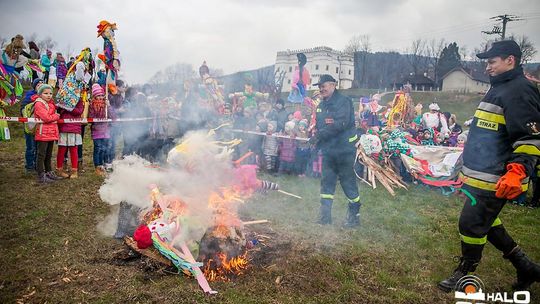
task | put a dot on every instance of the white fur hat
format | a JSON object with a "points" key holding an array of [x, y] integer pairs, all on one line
{"points": [[434, 106]]}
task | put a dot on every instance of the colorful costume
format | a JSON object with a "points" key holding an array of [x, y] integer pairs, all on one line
{"points": [[74, 86], [110, 56]]}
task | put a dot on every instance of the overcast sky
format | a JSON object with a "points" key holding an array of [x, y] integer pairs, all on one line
{"points": [[236, 35]]}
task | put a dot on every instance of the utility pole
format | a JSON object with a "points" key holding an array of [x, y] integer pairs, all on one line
{"points": [[504, 19]]}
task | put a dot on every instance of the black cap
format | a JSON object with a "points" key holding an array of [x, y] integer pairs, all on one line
{"points": [[498, 48], [325, 78]]}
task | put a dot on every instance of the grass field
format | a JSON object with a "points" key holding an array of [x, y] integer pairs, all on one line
{"points": [[50, 250]]}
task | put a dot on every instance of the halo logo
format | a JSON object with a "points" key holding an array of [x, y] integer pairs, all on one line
{"points": [[470, 289]]}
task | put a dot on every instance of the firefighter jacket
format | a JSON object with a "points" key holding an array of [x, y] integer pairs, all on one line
{"points": [[336, 131], [505, 129]]}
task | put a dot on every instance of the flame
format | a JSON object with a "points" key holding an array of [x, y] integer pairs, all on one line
{"points": [[225, 267], [224, 206]]}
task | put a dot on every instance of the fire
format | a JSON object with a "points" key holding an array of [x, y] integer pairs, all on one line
{"points": [[225, 255], [225, 267], [224, 206]]}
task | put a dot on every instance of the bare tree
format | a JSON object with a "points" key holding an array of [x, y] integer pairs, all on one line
{"points": [[528, 50], [174, 74], [416, 55], [433, 52], [464, 54], [360, 47], [46, 44]]}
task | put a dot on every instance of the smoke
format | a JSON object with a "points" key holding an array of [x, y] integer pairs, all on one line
{"points": [[196, 167]]}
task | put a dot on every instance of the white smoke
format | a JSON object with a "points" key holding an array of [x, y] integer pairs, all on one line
{"points": [[196, 167]]}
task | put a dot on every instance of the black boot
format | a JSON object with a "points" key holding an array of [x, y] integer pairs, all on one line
{"points": [[464, 268], [353, 216], [325, 216], [528, 272]]}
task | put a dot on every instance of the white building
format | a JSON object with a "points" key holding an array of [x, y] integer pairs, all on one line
{"points": [[320, 60], [465, 81]]}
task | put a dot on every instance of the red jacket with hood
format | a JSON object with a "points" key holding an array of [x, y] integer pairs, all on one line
{"points": [[48, 130]]}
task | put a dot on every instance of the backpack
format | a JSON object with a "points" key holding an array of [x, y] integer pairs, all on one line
{"points": [[28, 112]]}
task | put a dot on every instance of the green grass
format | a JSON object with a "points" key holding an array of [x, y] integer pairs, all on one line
{"points": [[50, 250]]}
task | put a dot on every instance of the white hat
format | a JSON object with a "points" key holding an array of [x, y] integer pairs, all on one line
{"points": [[434, 106]]}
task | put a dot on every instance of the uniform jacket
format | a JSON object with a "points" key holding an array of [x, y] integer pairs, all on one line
{"points": [[336, 131], [505, 129]]}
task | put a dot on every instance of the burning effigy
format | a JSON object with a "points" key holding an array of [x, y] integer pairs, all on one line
{"points": [[186, 211]]}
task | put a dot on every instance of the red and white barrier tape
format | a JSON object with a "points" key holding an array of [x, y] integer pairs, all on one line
{"points": [[74, 120]]}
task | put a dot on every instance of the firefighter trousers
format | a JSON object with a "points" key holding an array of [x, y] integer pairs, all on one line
{"points": [[479, 222], [338, 166]]}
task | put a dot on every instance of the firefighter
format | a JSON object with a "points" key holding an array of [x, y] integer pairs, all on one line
{"points": [[336, 137], [501, 152]]}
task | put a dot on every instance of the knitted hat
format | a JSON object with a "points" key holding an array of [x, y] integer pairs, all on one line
{"points": [[97, 90], [43, 87], [303, 122], [36, 82], [297, 115], [289, 126]]}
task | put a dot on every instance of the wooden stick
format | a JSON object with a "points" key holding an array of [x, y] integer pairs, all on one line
{"points": [[256, 222], [290, 194], [149, 252]]}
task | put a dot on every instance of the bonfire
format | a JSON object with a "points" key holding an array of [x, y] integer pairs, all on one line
{"points": [[170, 220]]}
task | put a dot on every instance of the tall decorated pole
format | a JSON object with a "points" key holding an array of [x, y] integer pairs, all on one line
{"points": [[110, 54]]}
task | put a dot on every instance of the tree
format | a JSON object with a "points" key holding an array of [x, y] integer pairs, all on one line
{"points": [[433, 52], [360, 47], [46, 44], [416, 55], [449, 59], [173, 75], [528, 50]]}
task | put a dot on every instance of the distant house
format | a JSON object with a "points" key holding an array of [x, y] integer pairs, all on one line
{"points": [[417, 82], [320, 60], [465, 81]]}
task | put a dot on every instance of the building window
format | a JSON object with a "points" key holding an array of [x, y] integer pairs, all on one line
{"points": [[337, 70], [349, 72], [289, 81], [327, 67], [290, 69], [277, 69], [317, 67]]}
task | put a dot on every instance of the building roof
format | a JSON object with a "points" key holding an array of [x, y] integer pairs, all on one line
{"points": [[472, 73], [417, 80]]}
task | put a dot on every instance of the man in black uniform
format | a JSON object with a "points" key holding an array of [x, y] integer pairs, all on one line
{"points": [[500, 154], [336, 137]]}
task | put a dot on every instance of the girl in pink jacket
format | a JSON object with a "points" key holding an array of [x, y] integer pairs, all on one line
{"points": [[46, 132]]}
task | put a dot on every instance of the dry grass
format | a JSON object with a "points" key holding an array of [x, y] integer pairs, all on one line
{"points": [[50, 250]]}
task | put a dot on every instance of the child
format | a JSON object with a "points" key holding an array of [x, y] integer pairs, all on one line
{"points": [[461, 140], [100, 130], [302, 149], [270, 147], [70, 139], [28, 102], [46, 133], [287, 149]]}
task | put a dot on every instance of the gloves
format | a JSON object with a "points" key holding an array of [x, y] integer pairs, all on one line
{"points": [[509, 185]]}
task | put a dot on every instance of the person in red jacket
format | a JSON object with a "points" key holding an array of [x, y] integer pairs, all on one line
{"points": [[70, 138], [46, 132]]}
